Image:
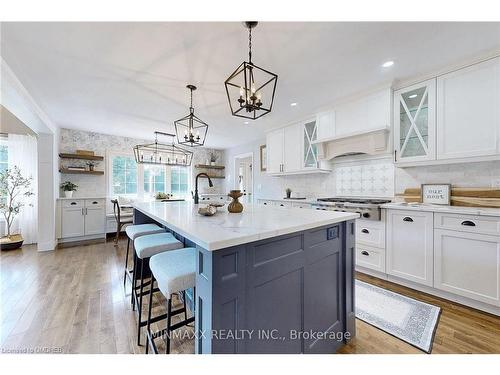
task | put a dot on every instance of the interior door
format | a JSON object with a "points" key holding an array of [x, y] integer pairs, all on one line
{"points": [[414, 122]]}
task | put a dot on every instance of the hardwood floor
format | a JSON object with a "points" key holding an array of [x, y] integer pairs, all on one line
{"points": [[72, 301]]}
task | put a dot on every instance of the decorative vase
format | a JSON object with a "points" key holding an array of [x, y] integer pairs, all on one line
{"points": [[14, 242], [68, 193], [235, 206], [91, 168]]}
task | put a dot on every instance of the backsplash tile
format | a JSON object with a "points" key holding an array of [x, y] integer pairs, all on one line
{"points": [[365, 179]]}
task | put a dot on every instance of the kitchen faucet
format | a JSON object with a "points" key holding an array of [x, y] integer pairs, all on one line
{"points": [[196, 198]]}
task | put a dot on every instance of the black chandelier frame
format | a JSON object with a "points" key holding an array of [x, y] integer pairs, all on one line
{"points": [[249, 104], [162, 153], [191, 130]]}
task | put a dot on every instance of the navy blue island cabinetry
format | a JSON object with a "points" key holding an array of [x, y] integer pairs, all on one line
{"points": [[287, 293]]}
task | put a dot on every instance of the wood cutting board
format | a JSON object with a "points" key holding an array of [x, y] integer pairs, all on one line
{"points": [[469, 197]]}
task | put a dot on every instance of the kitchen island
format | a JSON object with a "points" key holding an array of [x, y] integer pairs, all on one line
{"points": [[268, 280]]}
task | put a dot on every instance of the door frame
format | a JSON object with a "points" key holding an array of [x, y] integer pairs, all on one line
{"points": [[235, 179]]}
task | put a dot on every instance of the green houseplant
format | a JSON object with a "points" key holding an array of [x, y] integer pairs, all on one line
{"points": [[68, 187], [13, 188]]}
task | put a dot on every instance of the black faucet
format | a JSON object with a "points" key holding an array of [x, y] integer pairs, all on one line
{"points": [[196, 198]]}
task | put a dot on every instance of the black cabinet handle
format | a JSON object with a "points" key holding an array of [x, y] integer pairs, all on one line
{"points": [[265, 204], [365, 253], [468, 223], [409, 219], [73, 203], [365, 231], [282, 205], [94, 202]]}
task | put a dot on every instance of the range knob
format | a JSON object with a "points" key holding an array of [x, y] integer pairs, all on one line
{"points": [[366, 214]]}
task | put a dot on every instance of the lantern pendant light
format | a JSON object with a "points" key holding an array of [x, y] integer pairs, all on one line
{"points": [[162, 153], [190, 130], [250, 89]]}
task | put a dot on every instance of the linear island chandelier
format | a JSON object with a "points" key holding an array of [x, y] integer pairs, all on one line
{"points": [[162, 153], [250, 89]]}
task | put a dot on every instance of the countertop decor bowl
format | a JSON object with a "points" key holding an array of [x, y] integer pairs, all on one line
{"points": [[207, 210]]}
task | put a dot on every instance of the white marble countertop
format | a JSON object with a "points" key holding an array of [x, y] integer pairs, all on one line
{"points": [[224, 229], [481, 211]]}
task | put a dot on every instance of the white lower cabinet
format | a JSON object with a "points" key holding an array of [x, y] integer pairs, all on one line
{"points": [[370, 244], [467, 264], [82, 217], [410, 245]]}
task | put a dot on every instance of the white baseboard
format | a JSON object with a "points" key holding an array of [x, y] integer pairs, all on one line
{"points": [[47, 245]]}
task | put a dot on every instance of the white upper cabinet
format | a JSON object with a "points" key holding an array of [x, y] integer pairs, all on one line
{"points": [[309, 149], [468, 111], [325, 123], [414, 123], [275, 151], [370, 112], [292, 156]]}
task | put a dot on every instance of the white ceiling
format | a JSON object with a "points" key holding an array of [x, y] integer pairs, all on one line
{"points": [[129, 79]]}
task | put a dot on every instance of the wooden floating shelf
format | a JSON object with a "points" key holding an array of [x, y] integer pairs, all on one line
{"points": [[214, 177], [81, 156], [209, 166], [68, 171]]}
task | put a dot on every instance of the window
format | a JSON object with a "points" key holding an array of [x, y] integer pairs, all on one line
{"points": [[126, 177], [4, 154], [179, 184], [154, 179], [124, 172]]}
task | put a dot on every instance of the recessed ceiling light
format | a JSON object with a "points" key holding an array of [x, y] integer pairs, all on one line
{"points": [[246, 122], [413, 96], [388, 64], [293, 104]]}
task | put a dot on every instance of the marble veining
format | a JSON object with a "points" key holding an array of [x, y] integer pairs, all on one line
{"points": [[224, 229]]}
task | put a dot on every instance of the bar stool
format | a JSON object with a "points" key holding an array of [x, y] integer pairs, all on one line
{"points": [[145, 248], [133, 232], [174, 272]]}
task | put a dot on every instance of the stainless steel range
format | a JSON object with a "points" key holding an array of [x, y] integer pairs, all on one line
{"points": [[369, 209]]}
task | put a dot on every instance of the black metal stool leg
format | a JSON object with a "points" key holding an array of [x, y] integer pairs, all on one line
{"points": [[169, 324], [184, 300], [139, 307], [126, 263], [134, 277], [150, 308]]}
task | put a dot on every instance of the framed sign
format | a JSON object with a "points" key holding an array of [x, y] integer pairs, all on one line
{"points": [[436, 193], [263, 158]]}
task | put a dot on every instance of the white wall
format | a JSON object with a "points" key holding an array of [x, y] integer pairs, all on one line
{"points": [[482, 174]]}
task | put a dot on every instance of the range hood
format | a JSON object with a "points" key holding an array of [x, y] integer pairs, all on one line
{"points": [[373, 142]]}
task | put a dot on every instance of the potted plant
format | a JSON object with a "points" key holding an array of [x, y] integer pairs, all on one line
{"points": [[13, 188], [213, 158], [68, 187], [288, 192], [91, 165]]}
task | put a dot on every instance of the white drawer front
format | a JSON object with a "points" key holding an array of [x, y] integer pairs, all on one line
{"points": [[370, 258], [468, 223], [371, 233], [301, 205], [94, 203], [73, 203]]}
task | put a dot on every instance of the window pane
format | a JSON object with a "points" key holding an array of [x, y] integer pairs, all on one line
{"points": [[124, 175], [3, 154]]}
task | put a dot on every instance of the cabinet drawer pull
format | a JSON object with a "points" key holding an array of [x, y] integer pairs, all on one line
{"points": [[365, 231], [407, 218], [94, 202], [73, 203], [468, 223], [365, 253]]}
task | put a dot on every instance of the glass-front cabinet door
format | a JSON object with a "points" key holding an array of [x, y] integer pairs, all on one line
{"points": [[310, 150], [415, 123]]}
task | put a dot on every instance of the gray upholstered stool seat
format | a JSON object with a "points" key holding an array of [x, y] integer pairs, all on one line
{"points": [[135, 231], [174, 271], [152, 244]]}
